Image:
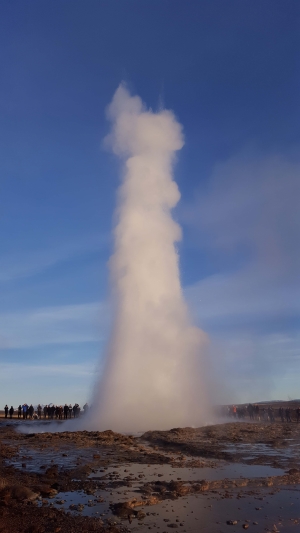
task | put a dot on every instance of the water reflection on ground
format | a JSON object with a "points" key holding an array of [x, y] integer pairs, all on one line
{"points": [[222, 470], [249, 451], [194, 513], [103, 476]]}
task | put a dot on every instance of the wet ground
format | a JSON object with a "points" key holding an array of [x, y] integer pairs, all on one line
{"points": [[227, 477]]}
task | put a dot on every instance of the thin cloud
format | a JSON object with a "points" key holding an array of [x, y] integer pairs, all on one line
{"points": [[248, 220], [29, 263], [251, 203], [11, 371], [249, 298], [54, 325]]}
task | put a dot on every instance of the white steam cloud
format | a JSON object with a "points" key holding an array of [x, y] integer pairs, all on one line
{"points": [[152, 375]]}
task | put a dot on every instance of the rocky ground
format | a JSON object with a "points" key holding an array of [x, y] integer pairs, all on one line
{"points": [[134, 481], [227, 441]]}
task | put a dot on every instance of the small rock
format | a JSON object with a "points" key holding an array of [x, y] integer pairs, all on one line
{"points": [[21, 493]]}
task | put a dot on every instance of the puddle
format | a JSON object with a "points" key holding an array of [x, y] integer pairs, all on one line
{"points": [[201, 513], [34, 460], [194, 513], [135, 475], [146, 473], [250, 451], [65, 500]]}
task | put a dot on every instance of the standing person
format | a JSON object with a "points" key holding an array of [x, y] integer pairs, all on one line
{"points": [[11, 412], [66, 411], [45, 411], [19, 411], [39, 411], [257, 413], [250, 411], [31, 411], [70, 410], [25, 410], [74, 410], [6, 411], [288, 414]]}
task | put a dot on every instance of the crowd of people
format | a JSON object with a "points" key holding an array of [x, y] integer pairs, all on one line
{"points": [[240, 412], [266, 413], [50, 412]]}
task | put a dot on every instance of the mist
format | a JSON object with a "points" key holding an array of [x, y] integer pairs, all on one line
{"points": [[153, 376]]}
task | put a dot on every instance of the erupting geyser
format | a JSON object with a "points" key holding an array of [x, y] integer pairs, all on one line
{"points": [[152, 376]]}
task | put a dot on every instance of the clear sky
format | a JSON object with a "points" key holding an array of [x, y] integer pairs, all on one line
{"points": [[230, 70]]}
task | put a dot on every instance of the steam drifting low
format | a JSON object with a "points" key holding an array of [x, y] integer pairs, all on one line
{"points": [[152, 376]]}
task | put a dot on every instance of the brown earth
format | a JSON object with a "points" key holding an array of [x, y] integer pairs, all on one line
{"points": [[24, 492], [210, 441]]}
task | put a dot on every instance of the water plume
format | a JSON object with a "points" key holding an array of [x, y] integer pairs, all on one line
{"points": [[152, 377]]}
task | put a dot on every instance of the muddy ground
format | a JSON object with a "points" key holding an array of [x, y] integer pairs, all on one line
{"points": [[226, 477]]}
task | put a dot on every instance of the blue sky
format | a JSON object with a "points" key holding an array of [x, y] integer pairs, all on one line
{"points": [[230, 72]]}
